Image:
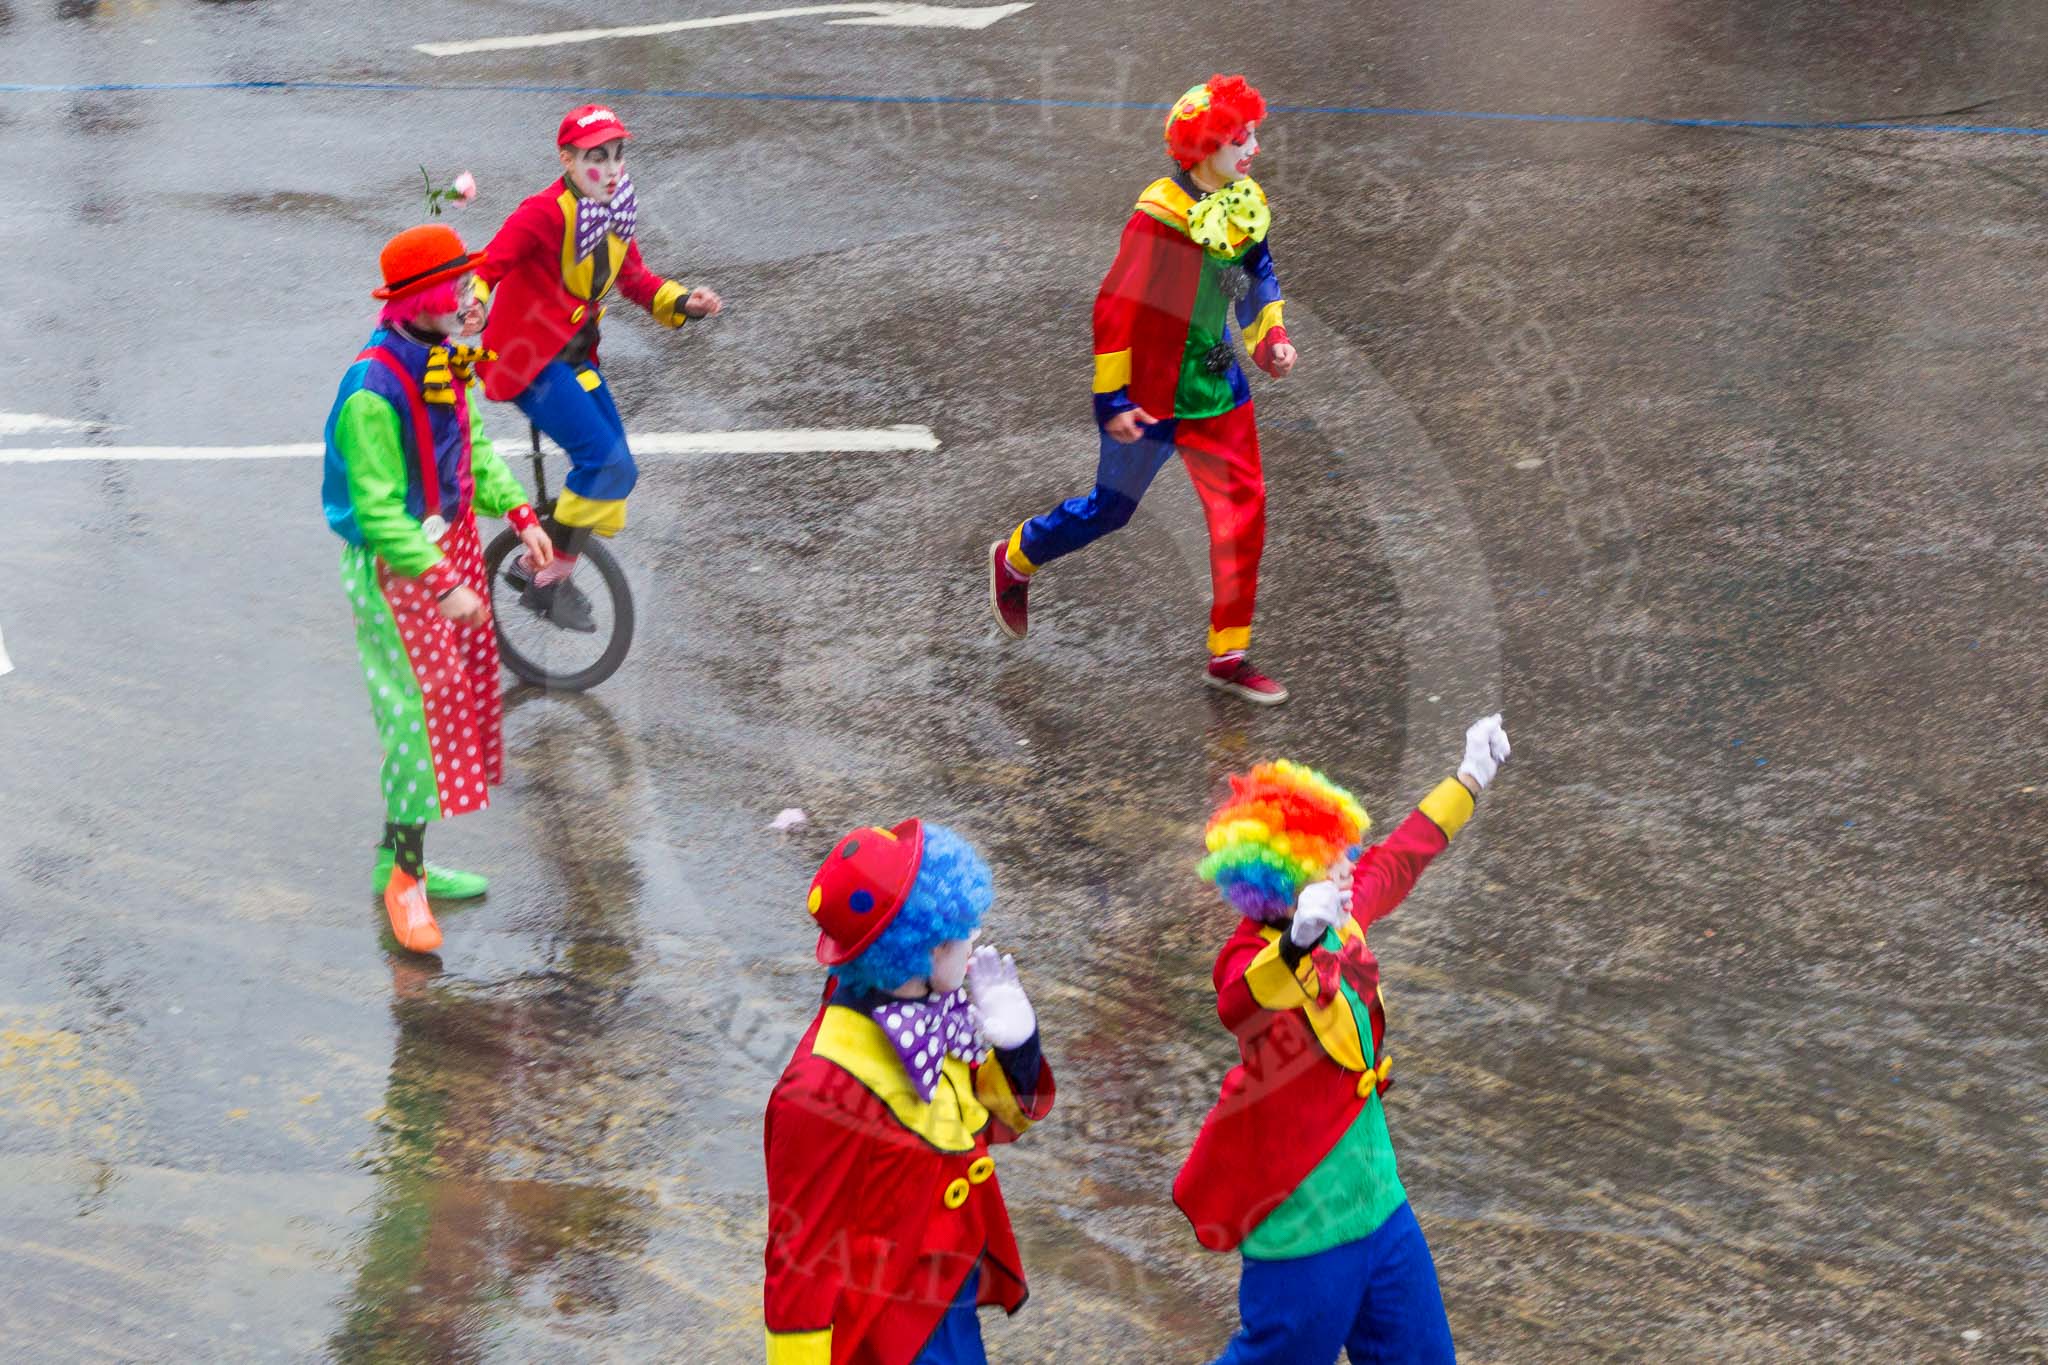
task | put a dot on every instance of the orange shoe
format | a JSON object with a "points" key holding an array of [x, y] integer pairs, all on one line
{"points": [[412, 923]]}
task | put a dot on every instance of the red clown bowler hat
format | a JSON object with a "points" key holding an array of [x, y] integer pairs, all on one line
{"points": [[423, 256], [861, 887]]}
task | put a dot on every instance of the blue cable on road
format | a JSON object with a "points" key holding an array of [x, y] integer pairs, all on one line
{"points": [[808, 97]]}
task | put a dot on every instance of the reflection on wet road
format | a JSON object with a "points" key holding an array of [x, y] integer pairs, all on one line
{"points": [[1712, 457]]}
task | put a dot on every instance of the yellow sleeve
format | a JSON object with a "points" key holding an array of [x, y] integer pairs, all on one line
{"points": [[1448, 807]]}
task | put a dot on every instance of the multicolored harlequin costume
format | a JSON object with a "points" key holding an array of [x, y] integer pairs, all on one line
{"points": [[1293, 1167], [550, 268], [886, 1223], [1188, 259], [407, 468]]}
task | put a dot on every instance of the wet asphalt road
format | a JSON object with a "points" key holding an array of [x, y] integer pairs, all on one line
{"points": [[1710, 456]]}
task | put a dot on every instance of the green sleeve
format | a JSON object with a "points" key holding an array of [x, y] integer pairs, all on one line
{"points": [[497, 490], [367, 434]]}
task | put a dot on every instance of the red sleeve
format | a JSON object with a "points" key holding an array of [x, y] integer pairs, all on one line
{"points": [[809, 1160], [1237, 1001], [636, 281], [1387, 872], [1123, 289], [534, 227]]}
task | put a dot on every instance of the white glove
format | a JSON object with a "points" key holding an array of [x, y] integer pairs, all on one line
{"points": [[1007, 1019], [1321, 908], [1486, 748]]}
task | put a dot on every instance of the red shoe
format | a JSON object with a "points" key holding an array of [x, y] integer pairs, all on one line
{"points": [[1006, 592], [412, 923], [1234, 674]]}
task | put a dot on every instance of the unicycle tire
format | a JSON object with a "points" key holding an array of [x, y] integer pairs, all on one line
{"points": [[504, 598]]}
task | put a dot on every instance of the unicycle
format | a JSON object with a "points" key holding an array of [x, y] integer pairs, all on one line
{"points": [[536, 649]]}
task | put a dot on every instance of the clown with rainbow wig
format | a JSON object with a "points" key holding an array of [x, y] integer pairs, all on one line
{"points": [[1294, 1168], [1167, 378], [886, 1225], [408, 466]]}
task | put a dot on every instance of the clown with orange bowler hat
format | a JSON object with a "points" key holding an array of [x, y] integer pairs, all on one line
{"points": [[550, 269], [886, 1223], [1167, 378], [408, 466]]}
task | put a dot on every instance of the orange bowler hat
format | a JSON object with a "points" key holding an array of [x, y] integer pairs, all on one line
{"points": [[423, 256]]}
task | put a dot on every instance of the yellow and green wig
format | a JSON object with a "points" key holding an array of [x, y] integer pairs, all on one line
{"points": [[1282, 827]]}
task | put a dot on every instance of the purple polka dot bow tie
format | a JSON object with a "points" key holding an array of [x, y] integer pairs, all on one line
{"points": [[594, 220], [924, 1032]]}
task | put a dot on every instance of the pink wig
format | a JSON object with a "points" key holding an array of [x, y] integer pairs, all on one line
{"points": [[436, 299]]}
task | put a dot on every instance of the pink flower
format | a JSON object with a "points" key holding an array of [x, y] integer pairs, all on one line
{"points": [[465, 187]]}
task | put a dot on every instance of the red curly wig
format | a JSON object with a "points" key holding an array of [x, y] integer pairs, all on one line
{"points": [[1210, 115]]}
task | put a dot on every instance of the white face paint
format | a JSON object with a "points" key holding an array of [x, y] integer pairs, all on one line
{"points": [[1233, 160], [596, 171], [949, 963]]}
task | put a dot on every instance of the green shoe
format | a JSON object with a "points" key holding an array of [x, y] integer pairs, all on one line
{"points": [[443, 883]]}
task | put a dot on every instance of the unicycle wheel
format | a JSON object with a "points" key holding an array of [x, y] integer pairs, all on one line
{"points": [[542, 653]]}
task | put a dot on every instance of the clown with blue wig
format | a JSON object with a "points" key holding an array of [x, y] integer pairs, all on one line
{"points": [[886, 1225], [1294, 1168]]}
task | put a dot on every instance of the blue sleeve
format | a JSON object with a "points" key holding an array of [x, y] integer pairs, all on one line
{"points": [[1020, 1066]]}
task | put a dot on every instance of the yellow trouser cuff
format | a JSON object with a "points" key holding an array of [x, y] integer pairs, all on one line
{"points": [[606, 516], [1018, 559], [800, 1348], [1226, 641]]}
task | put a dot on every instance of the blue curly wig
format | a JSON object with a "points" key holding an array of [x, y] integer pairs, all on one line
{"points": [[952, 892]]}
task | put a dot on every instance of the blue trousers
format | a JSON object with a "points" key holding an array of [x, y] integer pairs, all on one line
{"points": [[574, 408], [1377, 1298], [957, 1338], [1222, 456]]}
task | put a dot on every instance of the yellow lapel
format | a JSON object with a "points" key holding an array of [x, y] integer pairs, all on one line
{"points": [[579, 277], [1335, 1024], [856, 1045]]}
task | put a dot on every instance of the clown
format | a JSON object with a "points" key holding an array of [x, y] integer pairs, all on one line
{"points": [[408, 466], [1293, 1167], [1167, 377], [551, 266], [886, 1225]]}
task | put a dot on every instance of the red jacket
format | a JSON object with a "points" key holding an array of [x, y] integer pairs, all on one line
{"points": [[1302, 1077], [543, 293], [880, 1204]]}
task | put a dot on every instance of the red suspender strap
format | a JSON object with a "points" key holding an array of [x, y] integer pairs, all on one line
{"points": [[422, 430]]}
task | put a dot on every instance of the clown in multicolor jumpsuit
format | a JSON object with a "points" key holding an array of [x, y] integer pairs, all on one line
{"points": [[886, 1224], [548, 270], [1294, 1168], [1167, 377], [407, 467]]}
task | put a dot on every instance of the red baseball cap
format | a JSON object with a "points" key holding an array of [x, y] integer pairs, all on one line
{"points": [[862, 885], [589, 125]]}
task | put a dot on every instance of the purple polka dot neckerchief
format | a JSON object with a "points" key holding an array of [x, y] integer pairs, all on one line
{"points": [[594, 220], [923, 1032]]}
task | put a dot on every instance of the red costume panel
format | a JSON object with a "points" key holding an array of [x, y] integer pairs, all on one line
{"points": [[880, 1204], [1292, 1096]]}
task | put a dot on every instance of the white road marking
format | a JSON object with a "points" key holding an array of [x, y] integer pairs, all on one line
{"points": [[884, 13], [800, 441], [6, 664], [36, 424]]}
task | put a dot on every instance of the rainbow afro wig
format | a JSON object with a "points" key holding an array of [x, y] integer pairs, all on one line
{"points": [[952, 892], [1210, 115], [1282, 827]]}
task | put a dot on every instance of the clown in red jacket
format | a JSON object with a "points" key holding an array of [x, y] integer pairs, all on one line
{"points": [[551, 267], [1294, 1168], [886, 1224], [1167, 377]]}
